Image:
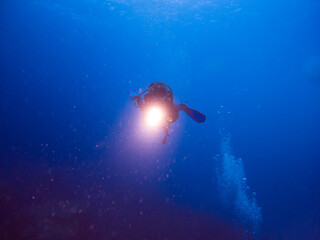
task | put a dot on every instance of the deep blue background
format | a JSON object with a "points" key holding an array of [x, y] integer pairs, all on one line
{"points": [[71, 164]]}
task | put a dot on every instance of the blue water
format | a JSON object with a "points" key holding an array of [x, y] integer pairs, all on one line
{"points": [[76, 161]]}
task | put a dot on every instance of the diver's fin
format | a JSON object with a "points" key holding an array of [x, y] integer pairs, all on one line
{"points": [[194, 114]]}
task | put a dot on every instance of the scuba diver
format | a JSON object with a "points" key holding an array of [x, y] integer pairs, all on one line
{"points": [[158, 96]]}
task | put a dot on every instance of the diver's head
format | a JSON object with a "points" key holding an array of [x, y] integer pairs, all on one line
{"points": [[160, 92]]}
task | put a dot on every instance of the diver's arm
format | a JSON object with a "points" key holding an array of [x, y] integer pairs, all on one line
{"points": [[143, 92], [134, 97], [137, 99]]}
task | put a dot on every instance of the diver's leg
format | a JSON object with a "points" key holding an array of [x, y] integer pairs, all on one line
{"points": [[166, 130], [181, 106], [164, 140], [194, 114]]}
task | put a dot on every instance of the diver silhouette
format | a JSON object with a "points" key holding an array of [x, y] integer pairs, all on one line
{"points": [[159, 94]]}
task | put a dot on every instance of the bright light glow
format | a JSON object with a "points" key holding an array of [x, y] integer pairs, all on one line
{"points": [[154, 117]]}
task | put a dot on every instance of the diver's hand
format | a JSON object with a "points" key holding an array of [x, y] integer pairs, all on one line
{"points": [[134, 97]]}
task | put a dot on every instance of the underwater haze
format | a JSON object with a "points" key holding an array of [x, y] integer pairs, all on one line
{"points": [[76, 161]]}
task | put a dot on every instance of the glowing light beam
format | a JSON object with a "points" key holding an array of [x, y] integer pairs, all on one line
{"points": [[154, 117]]}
